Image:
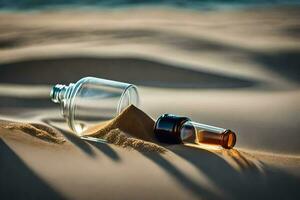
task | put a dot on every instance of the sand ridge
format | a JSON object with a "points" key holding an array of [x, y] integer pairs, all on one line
{"points": [[40, 131], [131, 129]]}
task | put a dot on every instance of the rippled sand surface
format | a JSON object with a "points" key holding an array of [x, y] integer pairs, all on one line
{"points": [[234, 69]]}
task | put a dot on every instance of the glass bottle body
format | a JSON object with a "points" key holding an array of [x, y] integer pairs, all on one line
{"points": [[92, 100]]}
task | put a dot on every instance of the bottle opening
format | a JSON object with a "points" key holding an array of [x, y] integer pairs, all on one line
{"points": [[229, 139], [55, 93], [192, 132], [129, 97]]}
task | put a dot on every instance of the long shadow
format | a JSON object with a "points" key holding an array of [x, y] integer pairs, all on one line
{"points": [[248, 182], [284, 62], [19, 102], [78, 142], [122, 69], [196, 189], [18, 181], [85, 145], [106, 149], [70, 69]]}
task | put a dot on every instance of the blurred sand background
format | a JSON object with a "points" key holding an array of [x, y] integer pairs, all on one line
{"points": [[234, 69]]}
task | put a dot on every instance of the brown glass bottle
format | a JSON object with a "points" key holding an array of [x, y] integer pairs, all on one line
{"points": [[192, 132], [175, 129]]}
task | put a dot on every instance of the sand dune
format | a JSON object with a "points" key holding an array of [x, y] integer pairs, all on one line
{"points": [[234, 69], [105, 170]]}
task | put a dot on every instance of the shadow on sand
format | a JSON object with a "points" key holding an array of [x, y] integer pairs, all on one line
{"points": [[240, 178], [236, 175], [18, 181], [134, 70], [84, 145]]}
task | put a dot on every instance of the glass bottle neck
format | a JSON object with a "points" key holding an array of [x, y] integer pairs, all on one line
{"points": [[60, 92]]}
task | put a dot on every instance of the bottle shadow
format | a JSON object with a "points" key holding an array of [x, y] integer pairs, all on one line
{"points": [[84, 145], [14, 173], [106, 149]]}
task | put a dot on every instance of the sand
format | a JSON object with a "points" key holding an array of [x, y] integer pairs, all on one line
{"points": [[118, 137], [132, 120], [40, 131], [131, 129], [232, 69]]}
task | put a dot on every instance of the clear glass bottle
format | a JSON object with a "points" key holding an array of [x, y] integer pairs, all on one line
{"points": [[175, 129], [91, 100]]}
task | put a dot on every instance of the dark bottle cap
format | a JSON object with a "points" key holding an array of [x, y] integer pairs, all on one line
{"points": [[167, 128]]}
